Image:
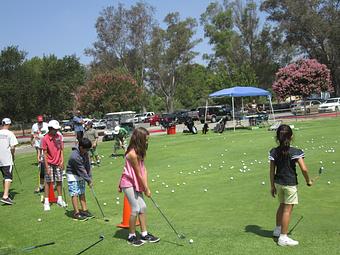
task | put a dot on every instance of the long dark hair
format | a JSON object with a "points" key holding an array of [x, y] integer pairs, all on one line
{"points": [[138, 142], [283, 136]]}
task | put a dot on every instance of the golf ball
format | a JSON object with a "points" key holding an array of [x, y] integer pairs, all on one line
{"points": [[152, 180], [184, 183], [117, 198], [117, 202], [104, 203], [329, 182], [101, 181], [166, 186], [209, 165], [39, 219], [191, 241], [205, 190], [231, 178], [157, 191], [173, 191], [263, 183], [168, 165], [157, 175]]}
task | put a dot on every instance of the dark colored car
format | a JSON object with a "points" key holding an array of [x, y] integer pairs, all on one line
{"points": [[214, 113], [181, 115], [168, 120]]}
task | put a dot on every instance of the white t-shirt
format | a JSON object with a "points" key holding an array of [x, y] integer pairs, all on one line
{"points": [[7, 141], [38, 132]]}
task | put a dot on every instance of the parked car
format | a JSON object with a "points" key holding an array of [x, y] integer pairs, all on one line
{"points": [[331, 105], [99, 124], [168, 119], [311, 106], [140, 117], [215, 113], [193, 114], [67, 126], [154, 120]]}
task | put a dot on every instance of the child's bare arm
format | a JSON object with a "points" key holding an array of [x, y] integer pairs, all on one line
{"points": [[304, 171]]}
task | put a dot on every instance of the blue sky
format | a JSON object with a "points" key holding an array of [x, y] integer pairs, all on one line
{"points": [[65, 27]]}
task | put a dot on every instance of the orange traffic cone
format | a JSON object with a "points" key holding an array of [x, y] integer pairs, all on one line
{"points": [[126, 215], [51, 197]]}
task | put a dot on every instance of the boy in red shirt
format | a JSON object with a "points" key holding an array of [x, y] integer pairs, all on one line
{"points": [[52, 145]]}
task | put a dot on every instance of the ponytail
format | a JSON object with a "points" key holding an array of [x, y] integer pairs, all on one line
{"points": [[283, 136]]}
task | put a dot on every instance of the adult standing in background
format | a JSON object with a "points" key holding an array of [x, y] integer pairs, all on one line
{"points": [[78, 123], [8, 141]]}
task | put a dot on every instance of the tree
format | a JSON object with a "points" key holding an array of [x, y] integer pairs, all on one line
{"points": [[303, 78], [311, 26], [109, 92], [171, 49]]}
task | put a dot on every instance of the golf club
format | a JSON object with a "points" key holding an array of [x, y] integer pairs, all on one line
{"points": [[37, 246], [16, 170], [291, 231], [101, 238], [180, 236], [318, 176], [100, 208]]}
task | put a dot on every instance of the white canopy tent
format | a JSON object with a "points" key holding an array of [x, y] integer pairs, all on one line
{"points": [[241, 92]]}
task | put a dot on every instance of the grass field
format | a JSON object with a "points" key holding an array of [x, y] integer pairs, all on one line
{"points": [[232, 217]]}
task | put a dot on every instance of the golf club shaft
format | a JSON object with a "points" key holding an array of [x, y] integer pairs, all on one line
{"points": [[37, 246], [159, 209], [16, 170], [295, 225], [97, 202], [101, 239]]}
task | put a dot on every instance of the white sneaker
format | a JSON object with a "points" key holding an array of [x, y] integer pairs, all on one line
{"points": [[286, 241], [277, 231], [47, 207], [61, 203]]}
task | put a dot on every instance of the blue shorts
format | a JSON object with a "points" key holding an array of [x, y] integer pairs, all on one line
{"points": [[76, 188]]}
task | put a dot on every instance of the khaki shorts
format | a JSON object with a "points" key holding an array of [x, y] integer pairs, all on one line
{"points": [[287, 194]]}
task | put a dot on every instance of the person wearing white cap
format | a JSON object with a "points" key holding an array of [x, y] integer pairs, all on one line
{"points": [[8, 141], [120, 135], [53, 148]]}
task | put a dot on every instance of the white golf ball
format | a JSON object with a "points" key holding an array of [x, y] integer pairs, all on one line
{"points": [[205, 190], [168, 165], [209, 165], [320, 162], [173, 191], [329, 182], [157, 175], [166, 186], [222, 155], [157, 191], [101, 181], [231, 178], [263, 183], [184, 183], [153, 180], [110, 163], [104, 203], [117, 202], [39, 219], [177, 184], [117, 198], [180, 172], [191, 241]]}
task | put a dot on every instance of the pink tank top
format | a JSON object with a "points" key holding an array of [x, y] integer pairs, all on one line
{"points": [[129, 178]]}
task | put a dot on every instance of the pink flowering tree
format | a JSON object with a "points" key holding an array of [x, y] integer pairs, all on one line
{"points": [[303, 78]]}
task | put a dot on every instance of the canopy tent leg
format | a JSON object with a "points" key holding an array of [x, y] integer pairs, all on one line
{"points": [[232, 100]]}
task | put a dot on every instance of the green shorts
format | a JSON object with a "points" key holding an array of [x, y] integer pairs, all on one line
{"points": [[93, 152], [287, 194]]}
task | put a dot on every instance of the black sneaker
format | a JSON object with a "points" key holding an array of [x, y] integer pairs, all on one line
{"points": [[87, 214], [79, 217], [150, 238], [7, 201], [134, 241]]}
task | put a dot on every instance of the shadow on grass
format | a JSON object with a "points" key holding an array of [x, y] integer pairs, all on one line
{"points": [[123, 234], [12, 193], [117, 155], [258, 231], [69, 213]]}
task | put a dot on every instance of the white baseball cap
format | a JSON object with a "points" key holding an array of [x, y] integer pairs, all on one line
{"points": [[54, 124], [6, 121], [116, 131]]}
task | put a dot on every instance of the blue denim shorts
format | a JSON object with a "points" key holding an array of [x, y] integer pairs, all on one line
{"points": [[76, 188]]}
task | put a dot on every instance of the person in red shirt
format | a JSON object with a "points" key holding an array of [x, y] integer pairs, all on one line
{"points": [[53, 148]]}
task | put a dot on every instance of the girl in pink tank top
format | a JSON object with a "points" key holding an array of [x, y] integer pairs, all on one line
{"points": [[134, 182]]}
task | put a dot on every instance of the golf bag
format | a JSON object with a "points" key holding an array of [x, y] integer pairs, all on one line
{"points": [[189, 123], [220, 126]]}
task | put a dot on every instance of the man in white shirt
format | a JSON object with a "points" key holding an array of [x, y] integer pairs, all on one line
{"points": [[39, 130], [8, 141]]}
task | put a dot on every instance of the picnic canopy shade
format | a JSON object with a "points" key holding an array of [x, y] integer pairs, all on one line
{"points": [[242, 92]]}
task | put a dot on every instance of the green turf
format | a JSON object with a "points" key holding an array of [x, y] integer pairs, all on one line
{"points": [[231, 217]]}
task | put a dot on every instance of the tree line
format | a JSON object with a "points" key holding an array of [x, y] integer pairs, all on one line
{"points": [[139, 64]]}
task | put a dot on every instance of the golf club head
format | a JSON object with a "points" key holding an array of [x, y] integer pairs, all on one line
{"points": [[181, 236], [320, 170], [106, 220], [101, 237]]}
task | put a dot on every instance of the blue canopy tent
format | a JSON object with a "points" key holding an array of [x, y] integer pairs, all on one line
{"points": [[242, 92]]}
